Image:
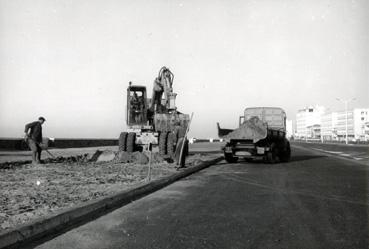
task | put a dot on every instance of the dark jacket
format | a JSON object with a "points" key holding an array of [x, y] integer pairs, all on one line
{"points": [[36, 131]]}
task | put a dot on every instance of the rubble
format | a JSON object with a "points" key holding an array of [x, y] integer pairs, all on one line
{"points": [[105, 156]]}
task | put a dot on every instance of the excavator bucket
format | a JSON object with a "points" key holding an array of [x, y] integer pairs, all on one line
{"points": [[166, 122]]}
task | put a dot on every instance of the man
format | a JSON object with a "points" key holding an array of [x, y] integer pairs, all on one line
{"points": [[179, 133], [157, 95], [135, 108], [33, 137]]}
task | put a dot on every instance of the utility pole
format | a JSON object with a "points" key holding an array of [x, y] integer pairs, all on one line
{"points": [[346, 101]]}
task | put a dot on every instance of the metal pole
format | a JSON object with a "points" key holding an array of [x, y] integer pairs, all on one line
{"points": [[346, 120], [150, 159]]}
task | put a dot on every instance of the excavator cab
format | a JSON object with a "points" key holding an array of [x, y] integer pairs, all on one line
{"points": [[136, 105]]}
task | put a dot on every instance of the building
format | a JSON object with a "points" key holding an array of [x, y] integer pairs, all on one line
{"points": [[289, 128], [328, 121], [308, 121], [333, 125]]}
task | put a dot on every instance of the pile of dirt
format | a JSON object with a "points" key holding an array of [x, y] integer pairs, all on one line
{"points": [[138, 157], [253, 129], [134, 157]]}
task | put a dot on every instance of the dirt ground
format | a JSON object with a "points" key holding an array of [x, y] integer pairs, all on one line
{"points": [[31, 191]]}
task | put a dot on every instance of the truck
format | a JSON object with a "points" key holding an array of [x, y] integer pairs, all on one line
{"points": [[155, 121], [261, 135]]}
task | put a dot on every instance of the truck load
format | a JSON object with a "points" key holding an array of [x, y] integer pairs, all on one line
{"points": [[261, 135]]}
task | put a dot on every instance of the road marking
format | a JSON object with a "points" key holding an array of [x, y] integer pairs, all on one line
{"points": [[356, 156], [344, 154]]}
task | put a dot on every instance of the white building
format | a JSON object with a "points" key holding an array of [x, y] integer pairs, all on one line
{"points": [[289, 128], [334, 125], [307, 118]]}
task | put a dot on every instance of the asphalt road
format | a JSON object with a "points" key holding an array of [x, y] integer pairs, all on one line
{"points": [[314, 201], [359, 153]]}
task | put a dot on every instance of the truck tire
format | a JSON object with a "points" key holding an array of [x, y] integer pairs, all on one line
{"points": [[131, 142], [122, 141], [171, 144], [286, 153], [181, 161], [272, 155], [230, 158], [163, 143]]}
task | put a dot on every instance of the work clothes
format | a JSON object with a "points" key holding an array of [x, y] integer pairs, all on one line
{"points": [[179, 131], [34, 139], [158, 92], [36, 131], [36, 151]]}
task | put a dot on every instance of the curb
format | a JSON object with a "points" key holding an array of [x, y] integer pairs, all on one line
{"points": [[83, 213]]}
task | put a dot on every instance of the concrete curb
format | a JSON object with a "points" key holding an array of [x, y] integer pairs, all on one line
{"points": [[83, 213]]}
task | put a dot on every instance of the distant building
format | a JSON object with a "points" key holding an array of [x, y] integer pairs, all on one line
{"points": [[308, 121], [333, 125], [328, 124], [289, 128]]}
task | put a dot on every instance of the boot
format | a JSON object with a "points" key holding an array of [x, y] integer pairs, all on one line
{"points": [[38, 159]]}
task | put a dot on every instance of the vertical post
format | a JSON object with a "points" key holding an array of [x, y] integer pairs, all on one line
{"points": [[346, 121], [150, 159]]}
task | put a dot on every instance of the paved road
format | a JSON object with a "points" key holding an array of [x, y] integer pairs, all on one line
{"points": [[358, 153], [314, 201]]}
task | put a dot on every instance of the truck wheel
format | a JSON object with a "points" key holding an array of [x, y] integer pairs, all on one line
{"points": [[163, 143], [181, 161], [272, 155], [122, 141], [171, 149], [131, 142], [230, 158], [286, 154]]}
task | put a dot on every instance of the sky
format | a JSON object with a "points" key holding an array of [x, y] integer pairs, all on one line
{"points": [[71, 61]]}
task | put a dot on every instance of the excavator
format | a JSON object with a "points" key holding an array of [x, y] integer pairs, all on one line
{"points": [[154, 121]]}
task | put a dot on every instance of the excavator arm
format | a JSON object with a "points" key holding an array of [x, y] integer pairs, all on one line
{"points": [[163, 85]]}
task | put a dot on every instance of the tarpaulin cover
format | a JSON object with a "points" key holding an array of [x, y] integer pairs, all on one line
{"points": [[253, 129]]}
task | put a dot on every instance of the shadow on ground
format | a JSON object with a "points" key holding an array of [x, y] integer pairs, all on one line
{"points": [[296, 158], [204, 152], [304, 157], [18, 154]]}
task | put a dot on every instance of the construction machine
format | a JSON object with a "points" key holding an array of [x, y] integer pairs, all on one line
{"points": [[154, 121]]}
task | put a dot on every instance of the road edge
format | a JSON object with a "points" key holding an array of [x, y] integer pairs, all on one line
{"points": [[83, 213]]}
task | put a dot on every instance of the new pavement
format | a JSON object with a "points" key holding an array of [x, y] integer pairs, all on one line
{"points": [[314, 201]]}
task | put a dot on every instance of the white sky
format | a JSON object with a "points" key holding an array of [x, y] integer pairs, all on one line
{"points": [[71, 61]]}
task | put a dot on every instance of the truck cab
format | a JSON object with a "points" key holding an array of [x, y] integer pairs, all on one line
{"points": [[275, 117]]}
